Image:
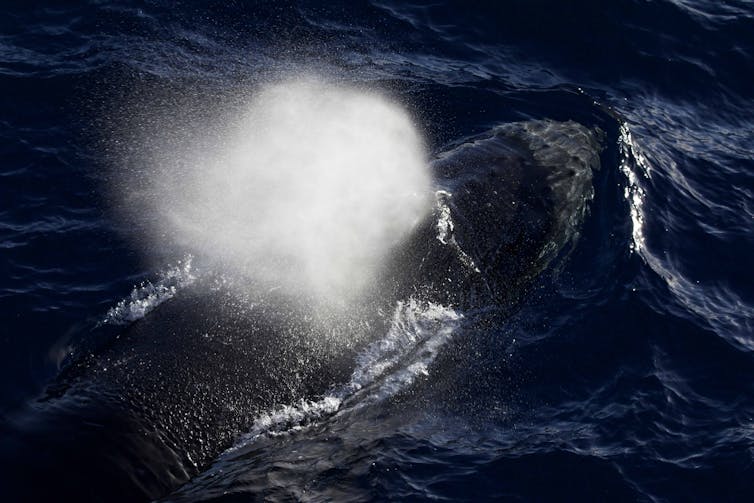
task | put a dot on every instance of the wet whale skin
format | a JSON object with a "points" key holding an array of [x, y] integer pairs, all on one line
{"points": [[134, 417]]}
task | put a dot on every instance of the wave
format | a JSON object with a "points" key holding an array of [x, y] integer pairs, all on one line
{"points": [[711, 305]]}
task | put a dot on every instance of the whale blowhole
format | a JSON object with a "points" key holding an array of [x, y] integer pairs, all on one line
{"points": [[304, 187]]}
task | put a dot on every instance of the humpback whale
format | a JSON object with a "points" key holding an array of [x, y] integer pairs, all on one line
{"points": [[147, 408]]}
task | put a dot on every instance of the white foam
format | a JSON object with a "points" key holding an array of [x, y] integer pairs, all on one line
{"points": [[387, 366], [148, 295]]}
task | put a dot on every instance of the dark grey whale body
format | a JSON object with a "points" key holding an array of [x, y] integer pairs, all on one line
{"points": [[153, 406]]}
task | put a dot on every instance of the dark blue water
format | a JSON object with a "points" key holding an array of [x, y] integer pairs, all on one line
{"points": [[626, 373]]}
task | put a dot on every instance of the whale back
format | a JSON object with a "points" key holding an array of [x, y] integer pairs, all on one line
{"points": [[155, 404], [507, 203]]}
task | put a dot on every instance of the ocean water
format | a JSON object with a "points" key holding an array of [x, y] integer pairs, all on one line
{"points": [[624, 371]]}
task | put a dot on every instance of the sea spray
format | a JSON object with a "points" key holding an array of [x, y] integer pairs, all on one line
{"points": [[305, 187]]}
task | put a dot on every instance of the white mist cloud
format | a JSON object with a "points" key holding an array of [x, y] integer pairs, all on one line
{"points": [[306, 188]]}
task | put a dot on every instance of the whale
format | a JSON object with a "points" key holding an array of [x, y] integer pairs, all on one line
{"points": [[138, 411]]}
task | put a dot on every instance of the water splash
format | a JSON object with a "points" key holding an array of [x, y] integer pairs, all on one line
{"points": [[148, 295], [634, 193], [446, 228], [416, 335]]}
